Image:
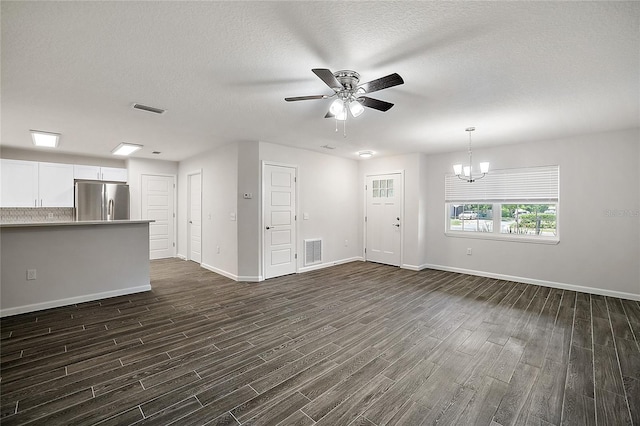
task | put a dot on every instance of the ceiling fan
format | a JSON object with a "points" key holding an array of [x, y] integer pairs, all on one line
{"points": [[349, 94]]}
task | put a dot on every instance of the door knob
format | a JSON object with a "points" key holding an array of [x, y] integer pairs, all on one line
{"points": [[190, 221], [268, 227], [397, 225]]}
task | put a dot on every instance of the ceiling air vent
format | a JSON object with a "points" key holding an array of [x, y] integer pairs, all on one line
{"points": [[148, 108]]}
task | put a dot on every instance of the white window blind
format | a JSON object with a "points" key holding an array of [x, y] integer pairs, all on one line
{"points": [[524, 184]]}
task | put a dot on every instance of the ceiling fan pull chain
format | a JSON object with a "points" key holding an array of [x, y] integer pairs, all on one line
{"points": [[344, 127]]}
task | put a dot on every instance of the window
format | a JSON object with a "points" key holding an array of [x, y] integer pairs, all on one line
{"points": [[382, 188], [516, 204]]}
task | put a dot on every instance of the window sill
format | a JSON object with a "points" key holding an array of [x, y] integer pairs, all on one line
{"points": [[503, 237]]}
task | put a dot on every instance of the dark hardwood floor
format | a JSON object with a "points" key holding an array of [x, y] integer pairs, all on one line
{"points": [[356, 344]]}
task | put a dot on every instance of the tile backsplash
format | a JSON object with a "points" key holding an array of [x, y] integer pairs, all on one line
{"points": [[42, 214]]}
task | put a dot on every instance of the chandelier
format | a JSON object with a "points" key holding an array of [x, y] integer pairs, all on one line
{"points": [[466, 172]]}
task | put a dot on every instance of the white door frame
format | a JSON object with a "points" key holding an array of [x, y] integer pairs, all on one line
{"points": [[189, 175], [262, 221], [175, 206], [402, 222]]}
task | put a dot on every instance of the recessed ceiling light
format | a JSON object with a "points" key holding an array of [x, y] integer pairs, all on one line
{"points": [[45, 139], [126, 149], [365, 154]]}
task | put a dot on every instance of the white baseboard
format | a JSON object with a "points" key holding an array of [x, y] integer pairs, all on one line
{"points": [[329, 264], [220, 271], [414, 267], [72, 300], [544, 283]]}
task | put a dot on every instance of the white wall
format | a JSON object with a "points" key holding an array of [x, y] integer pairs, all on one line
{"points": [[219, 200], [249, 225], [328, 191], [414, 235], [138, 167], [597, 252]]}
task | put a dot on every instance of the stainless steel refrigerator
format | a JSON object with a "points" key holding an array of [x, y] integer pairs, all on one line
{"points": [[101, 201]]}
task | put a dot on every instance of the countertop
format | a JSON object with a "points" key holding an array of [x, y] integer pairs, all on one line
{"points": [[72, 223]]}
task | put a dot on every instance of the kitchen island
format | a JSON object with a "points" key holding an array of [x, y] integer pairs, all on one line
{"points": [[50, 264]]}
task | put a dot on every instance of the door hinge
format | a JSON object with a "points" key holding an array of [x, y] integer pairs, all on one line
{"points": [[295, 256], [174, 215], [295, 217], [365, 250], [174, 186], [174, 244], [365, 187], [365, 218]]}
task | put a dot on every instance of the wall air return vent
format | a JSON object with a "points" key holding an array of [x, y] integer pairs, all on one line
{"points": [[149, 108], [312, 252]]}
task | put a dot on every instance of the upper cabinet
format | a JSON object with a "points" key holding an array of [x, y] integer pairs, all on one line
{"points": [[19, 183], [33, 184], [55, 184], [86, 172], [113, 174]]}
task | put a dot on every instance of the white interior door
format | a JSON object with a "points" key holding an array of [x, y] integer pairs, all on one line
{"points": [[280, 220], [384, 213], [158, 204], [195, 218]]}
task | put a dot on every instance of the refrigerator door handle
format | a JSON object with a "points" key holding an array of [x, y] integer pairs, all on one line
{"points": [[110, 209]]}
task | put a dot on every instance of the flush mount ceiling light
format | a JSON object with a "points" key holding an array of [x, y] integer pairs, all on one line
{"points": [[459, 169], [126, 149], [349, 94], [365, 154], [45, 139]]}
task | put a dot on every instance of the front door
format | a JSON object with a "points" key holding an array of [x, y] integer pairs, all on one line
{"points": [[383, 215], [195, 218], [157, 205], [280, 220]]}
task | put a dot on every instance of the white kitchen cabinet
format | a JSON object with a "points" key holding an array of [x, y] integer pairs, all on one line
{"points": [[86, 172], [113, 174], [55, 185], [19, 183]]}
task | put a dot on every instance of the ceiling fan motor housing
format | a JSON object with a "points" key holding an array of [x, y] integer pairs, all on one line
{"points": [[349, 79]]}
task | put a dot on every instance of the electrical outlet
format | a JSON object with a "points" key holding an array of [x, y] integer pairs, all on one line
{"points": [[50, 216], [346, 243], [31, 274], [218, 249], [469, 252]]}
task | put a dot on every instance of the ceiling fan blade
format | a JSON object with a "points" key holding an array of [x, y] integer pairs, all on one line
{"points": [[328, 77], [375, 103], [382, 83], [305, 98], [329, 115]]}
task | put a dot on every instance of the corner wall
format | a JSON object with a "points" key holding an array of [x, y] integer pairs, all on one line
{"points": [[219, 203]]}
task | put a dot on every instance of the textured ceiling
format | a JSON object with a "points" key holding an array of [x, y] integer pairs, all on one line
{"points": [[518, 71]]}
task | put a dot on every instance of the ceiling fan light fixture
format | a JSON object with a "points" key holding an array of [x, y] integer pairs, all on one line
{"points": [[365, 154], [484, 167], [342, 115], [337, 107], [356, 108], [457, 169]]}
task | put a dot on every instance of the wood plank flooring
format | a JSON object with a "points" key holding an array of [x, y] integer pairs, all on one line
{"points": [[355, 344]]}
